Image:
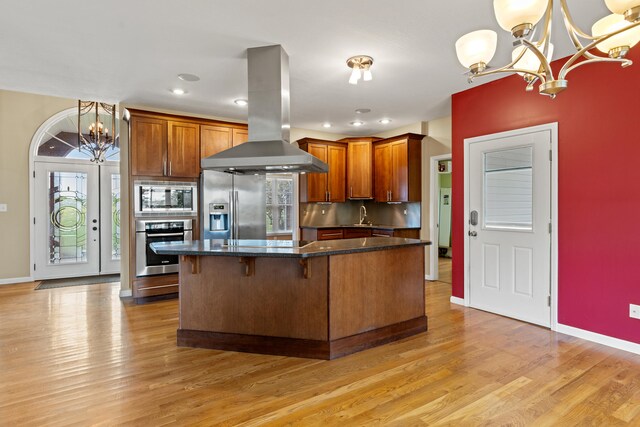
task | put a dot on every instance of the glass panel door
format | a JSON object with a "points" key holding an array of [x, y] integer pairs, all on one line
{"points": [[66, 220], [110, 246]]}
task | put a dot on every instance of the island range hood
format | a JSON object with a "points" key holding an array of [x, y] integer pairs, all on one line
{"points": [[268, 149]]}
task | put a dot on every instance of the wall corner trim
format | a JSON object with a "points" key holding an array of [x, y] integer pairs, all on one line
{"points": [[15, 280], [458, 301], [599, 338], [126, 293]]}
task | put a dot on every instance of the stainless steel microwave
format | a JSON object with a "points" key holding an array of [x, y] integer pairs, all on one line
{"points": [[165, 198]]}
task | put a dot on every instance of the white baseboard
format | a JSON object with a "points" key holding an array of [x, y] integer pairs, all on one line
{"points": [[126, 293], [456, 300], [429, 277], [15, 280], [599, 338]]}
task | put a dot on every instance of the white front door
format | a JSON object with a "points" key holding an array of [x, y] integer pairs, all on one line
{"points": [[509, 225], [110, 218], [66, 220]]}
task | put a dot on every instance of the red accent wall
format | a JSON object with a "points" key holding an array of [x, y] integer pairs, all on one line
{"points": [[598, 185]]}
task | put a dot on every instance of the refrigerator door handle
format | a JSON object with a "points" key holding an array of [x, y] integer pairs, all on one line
{"points": [[236, 205], [232, 216]]}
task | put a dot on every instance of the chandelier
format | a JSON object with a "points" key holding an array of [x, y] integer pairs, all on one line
{"points": [[360, 67], [97, 140], [613, 35]]}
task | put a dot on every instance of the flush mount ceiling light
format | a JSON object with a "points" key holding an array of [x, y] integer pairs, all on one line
{"points": [[356, 123], [360, 66], [241, 102], [613, 35], [178, 91]]}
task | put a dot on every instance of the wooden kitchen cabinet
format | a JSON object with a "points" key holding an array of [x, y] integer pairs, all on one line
{"points": [[240, 136], [148, 142], [356, 233], [397, 168], [183, 149], [329, 187], [359, 167], [214, 139]]}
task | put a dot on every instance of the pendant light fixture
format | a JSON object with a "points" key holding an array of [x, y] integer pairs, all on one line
{"points": [[360, 68], [613, 35], [98, 139]]}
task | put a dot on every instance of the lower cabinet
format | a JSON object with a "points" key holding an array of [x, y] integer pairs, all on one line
{"points": [[356, 233], [311, 234]]}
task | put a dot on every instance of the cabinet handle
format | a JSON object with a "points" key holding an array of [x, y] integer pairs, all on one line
{"points": [[169, 167], [331, 234], [390, 195], [380, 235], [351, 192], [164, 167], [329, 198]]}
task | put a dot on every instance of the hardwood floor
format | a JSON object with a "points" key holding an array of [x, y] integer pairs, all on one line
{"points": [[444, 270], [80, 356]]}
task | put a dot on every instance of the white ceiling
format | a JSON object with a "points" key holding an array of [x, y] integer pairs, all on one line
{"points": [[132, 50]]}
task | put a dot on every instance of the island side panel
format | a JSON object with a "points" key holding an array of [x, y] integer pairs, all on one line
{"points": [[372, 290], [275, 301]]}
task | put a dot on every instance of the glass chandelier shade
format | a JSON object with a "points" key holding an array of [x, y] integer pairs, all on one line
{"points": [[609, 24], [477, 47], [621, 6], [512, 13]]}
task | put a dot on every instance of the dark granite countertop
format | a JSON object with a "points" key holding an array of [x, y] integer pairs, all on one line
{"points": [[377, 226], [283, 248]]}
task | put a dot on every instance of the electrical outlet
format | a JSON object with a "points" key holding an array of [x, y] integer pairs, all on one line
{"points": [[405, 211], [322, 211], [3, 207], [634, 311]]}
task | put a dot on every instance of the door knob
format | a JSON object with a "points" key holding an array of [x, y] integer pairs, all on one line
{"points": [[95, 228], [473, 233]]}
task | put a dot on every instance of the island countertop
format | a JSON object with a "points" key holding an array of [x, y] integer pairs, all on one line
{"points": [[282, 248]]}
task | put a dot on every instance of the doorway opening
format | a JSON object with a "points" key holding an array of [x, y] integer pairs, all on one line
{"points": [[74, 204], [440, 260]]}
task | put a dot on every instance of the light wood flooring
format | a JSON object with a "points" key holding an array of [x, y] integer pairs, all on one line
{"points": [[444, 270], [80, 356]]}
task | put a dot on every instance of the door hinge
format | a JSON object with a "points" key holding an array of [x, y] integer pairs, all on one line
{"points": [[34, 267], [550, 155], [550, 228], [549, 301], [34, 174], [34, 219]]}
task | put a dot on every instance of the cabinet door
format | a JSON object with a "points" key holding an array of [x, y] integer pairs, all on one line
{"points": [[383, 172], [356, 233], [336, 178], [183, 150], [359, 171], [240, 136], [214, 139], [400, 172], [317, 182], [148, 146]]}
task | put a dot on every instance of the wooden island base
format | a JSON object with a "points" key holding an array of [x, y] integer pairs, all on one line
{"points": [[320, 307]]}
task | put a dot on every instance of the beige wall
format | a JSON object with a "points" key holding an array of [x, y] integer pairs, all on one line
{"points": [[21, 114]]}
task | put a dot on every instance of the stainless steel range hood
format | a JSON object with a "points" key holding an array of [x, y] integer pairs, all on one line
{"points": [[268, 149]]}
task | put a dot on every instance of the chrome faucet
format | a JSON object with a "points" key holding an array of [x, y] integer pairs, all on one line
{"points": [[363, 214]]}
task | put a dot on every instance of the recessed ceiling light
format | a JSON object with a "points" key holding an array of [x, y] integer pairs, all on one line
{"points": [[356, 123], [188, 77], [241, 102], [363, 110], [326, 125], [384, 121], [178, 91]]}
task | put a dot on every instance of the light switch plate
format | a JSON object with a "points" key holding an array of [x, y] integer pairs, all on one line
{"points": [[3, 207], [634, 311]]}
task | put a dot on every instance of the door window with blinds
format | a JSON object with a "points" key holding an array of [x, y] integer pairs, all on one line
{"points": [[279, 189], [508, 189]]}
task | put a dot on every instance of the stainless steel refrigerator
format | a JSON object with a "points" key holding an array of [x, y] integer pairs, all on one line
{"points": [[232, 206]]}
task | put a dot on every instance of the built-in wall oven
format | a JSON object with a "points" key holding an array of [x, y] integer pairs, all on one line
{"points": [[165, 198], [149, 263]]}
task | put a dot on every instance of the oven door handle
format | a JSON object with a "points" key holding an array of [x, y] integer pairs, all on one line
{"points": [[164, 235]]}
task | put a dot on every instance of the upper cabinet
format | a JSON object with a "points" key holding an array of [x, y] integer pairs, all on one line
{"points": [[172, 146], [320, 187], [214, 139], [240, 136], [359, 167], [183, 150], [148, 146], [397, 166]]}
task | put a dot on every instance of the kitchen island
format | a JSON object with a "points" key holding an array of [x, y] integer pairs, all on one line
{"points": [[321, 299]]}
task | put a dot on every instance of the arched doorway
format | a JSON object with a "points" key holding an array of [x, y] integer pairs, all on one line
{"points": [[75, 204]]}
